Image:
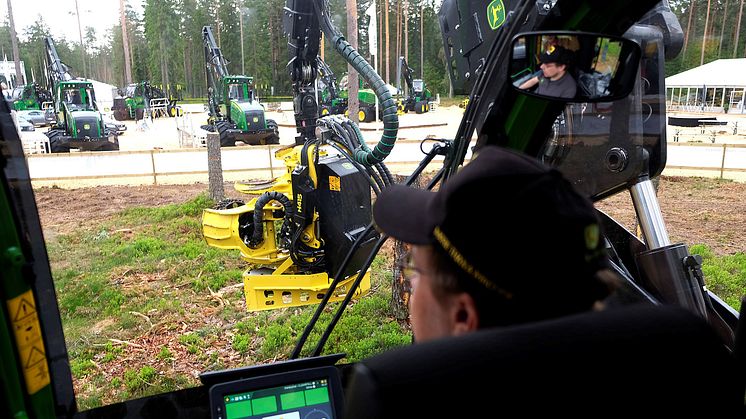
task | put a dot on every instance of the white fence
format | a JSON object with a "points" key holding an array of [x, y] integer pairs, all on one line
{"points": [[180, 166], [258, 162], [725, 161]]}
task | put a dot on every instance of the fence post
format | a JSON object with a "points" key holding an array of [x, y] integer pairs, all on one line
{"points": [[215, 167], [722, 162], [152, 165], [271, 165]]}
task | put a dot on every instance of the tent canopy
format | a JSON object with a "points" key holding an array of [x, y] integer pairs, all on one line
{"points": [[719, 73]]}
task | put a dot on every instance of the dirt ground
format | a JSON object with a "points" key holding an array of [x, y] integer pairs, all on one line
{"points": [[696, 210]]}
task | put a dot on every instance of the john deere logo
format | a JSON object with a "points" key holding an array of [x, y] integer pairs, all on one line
{"points": [[86, 126], [256, 119], [592, 235], [496, 14]]}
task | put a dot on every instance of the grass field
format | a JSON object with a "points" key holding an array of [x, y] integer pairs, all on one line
{"points": [[147, 305]]}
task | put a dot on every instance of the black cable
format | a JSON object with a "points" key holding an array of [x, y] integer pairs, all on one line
{"points": [[358, 142], [385, 173], [258, 237], [324, 301], [348, 297]]}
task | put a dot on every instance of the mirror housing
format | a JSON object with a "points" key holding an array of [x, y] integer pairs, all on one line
{"points": [[573, 66]]}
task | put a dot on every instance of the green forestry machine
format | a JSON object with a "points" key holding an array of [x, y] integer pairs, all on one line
{"points": [[79, 123], [30, 96], [234, 111], [330, 100], [418, 97], [142, 99], [366, 97], [334, 98]]}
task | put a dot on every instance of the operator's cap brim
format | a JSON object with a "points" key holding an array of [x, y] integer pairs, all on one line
{"points": [[405, 214]]}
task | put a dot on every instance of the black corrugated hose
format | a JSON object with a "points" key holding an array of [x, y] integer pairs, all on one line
{"points": [[390, 118], [258, 237]]}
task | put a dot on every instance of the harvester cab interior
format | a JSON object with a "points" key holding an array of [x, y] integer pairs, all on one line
{"points": [[673, 347]]}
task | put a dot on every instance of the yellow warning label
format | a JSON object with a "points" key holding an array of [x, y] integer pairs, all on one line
{"points": [[334, 184], [27, 332]]}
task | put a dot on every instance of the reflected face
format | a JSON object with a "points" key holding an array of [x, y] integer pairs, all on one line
{"points": [[430, 313], [553, 71]]}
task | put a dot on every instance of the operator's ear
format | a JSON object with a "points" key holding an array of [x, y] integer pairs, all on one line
{"points": [[464, 314]]}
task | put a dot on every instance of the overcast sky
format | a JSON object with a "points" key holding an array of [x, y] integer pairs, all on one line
{"points": [[59, 15]]}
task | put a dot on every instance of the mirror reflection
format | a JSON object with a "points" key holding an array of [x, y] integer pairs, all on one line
{"points": [[574, 67]]}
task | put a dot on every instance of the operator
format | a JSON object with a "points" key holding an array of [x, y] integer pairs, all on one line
{"points": [[505, 241], [554, 79]]}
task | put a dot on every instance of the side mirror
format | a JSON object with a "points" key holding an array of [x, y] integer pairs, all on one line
{"points": [[574, 66]]}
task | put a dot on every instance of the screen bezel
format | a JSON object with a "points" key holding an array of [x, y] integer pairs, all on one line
{"points": [[336, 396]]}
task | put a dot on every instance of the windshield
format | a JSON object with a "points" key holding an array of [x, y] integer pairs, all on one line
{"points": [[129, 91], [17, 92], [240, 92], [418, 85], [78, 98]]}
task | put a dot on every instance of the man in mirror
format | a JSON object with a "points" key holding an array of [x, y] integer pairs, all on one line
{"points": [[554, 79]]}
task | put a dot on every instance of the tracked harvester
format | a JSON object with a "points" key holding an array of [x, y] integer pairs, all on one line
{"points": [[418, 97], [307, 233], [234, 111], [143, 99], [330, 100], [79, 123], [30, 97]]}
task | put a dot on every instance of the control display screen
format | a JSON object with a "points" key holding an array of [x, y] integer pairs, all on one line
{"points": [[314, 393], [294, 401]]}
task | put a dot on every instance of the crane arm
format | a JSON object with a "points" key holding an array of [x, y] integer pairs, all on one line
{"points": [[57, 71]]}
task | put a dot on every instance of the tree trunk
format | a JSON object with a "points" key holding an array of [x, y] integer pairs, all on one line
{"points": [[722, 28], [406, 31], [82, 46], [704, 34], [379, 57], [164, 65], [388, 49], [738, 30], [240, 25], [422, 41], [215, 167], [16, 54], [125, 45], [401, 289], [688, 28], [353, 102], [398, 31], [273, 50]]}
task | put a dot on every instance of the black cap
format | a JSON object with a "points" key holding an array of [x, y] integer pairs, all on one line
{"points": [[508, 221], [556, 54]]}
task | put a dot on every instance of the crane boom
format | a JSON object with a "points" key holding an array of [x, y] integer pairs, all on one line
{"points": [[57, 71], [213, 57]]}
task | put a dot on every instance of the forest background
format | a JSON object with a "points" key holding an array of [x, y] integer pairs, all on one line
{"points": [[165, 41]]}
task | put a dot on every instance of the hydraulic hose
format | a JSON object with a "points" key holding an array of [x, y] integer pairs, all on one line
{"points": [[390, 118], [357, 141], [258, 237]]}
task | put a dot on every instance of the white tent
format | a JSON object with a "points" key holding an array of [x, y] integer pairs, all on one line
{"points": [[718, 86], [105, 94]]}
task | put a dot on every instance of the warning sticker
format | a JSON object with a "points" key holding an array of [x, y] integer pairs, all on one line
{"points": [[30, 345], [334, 183]]}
